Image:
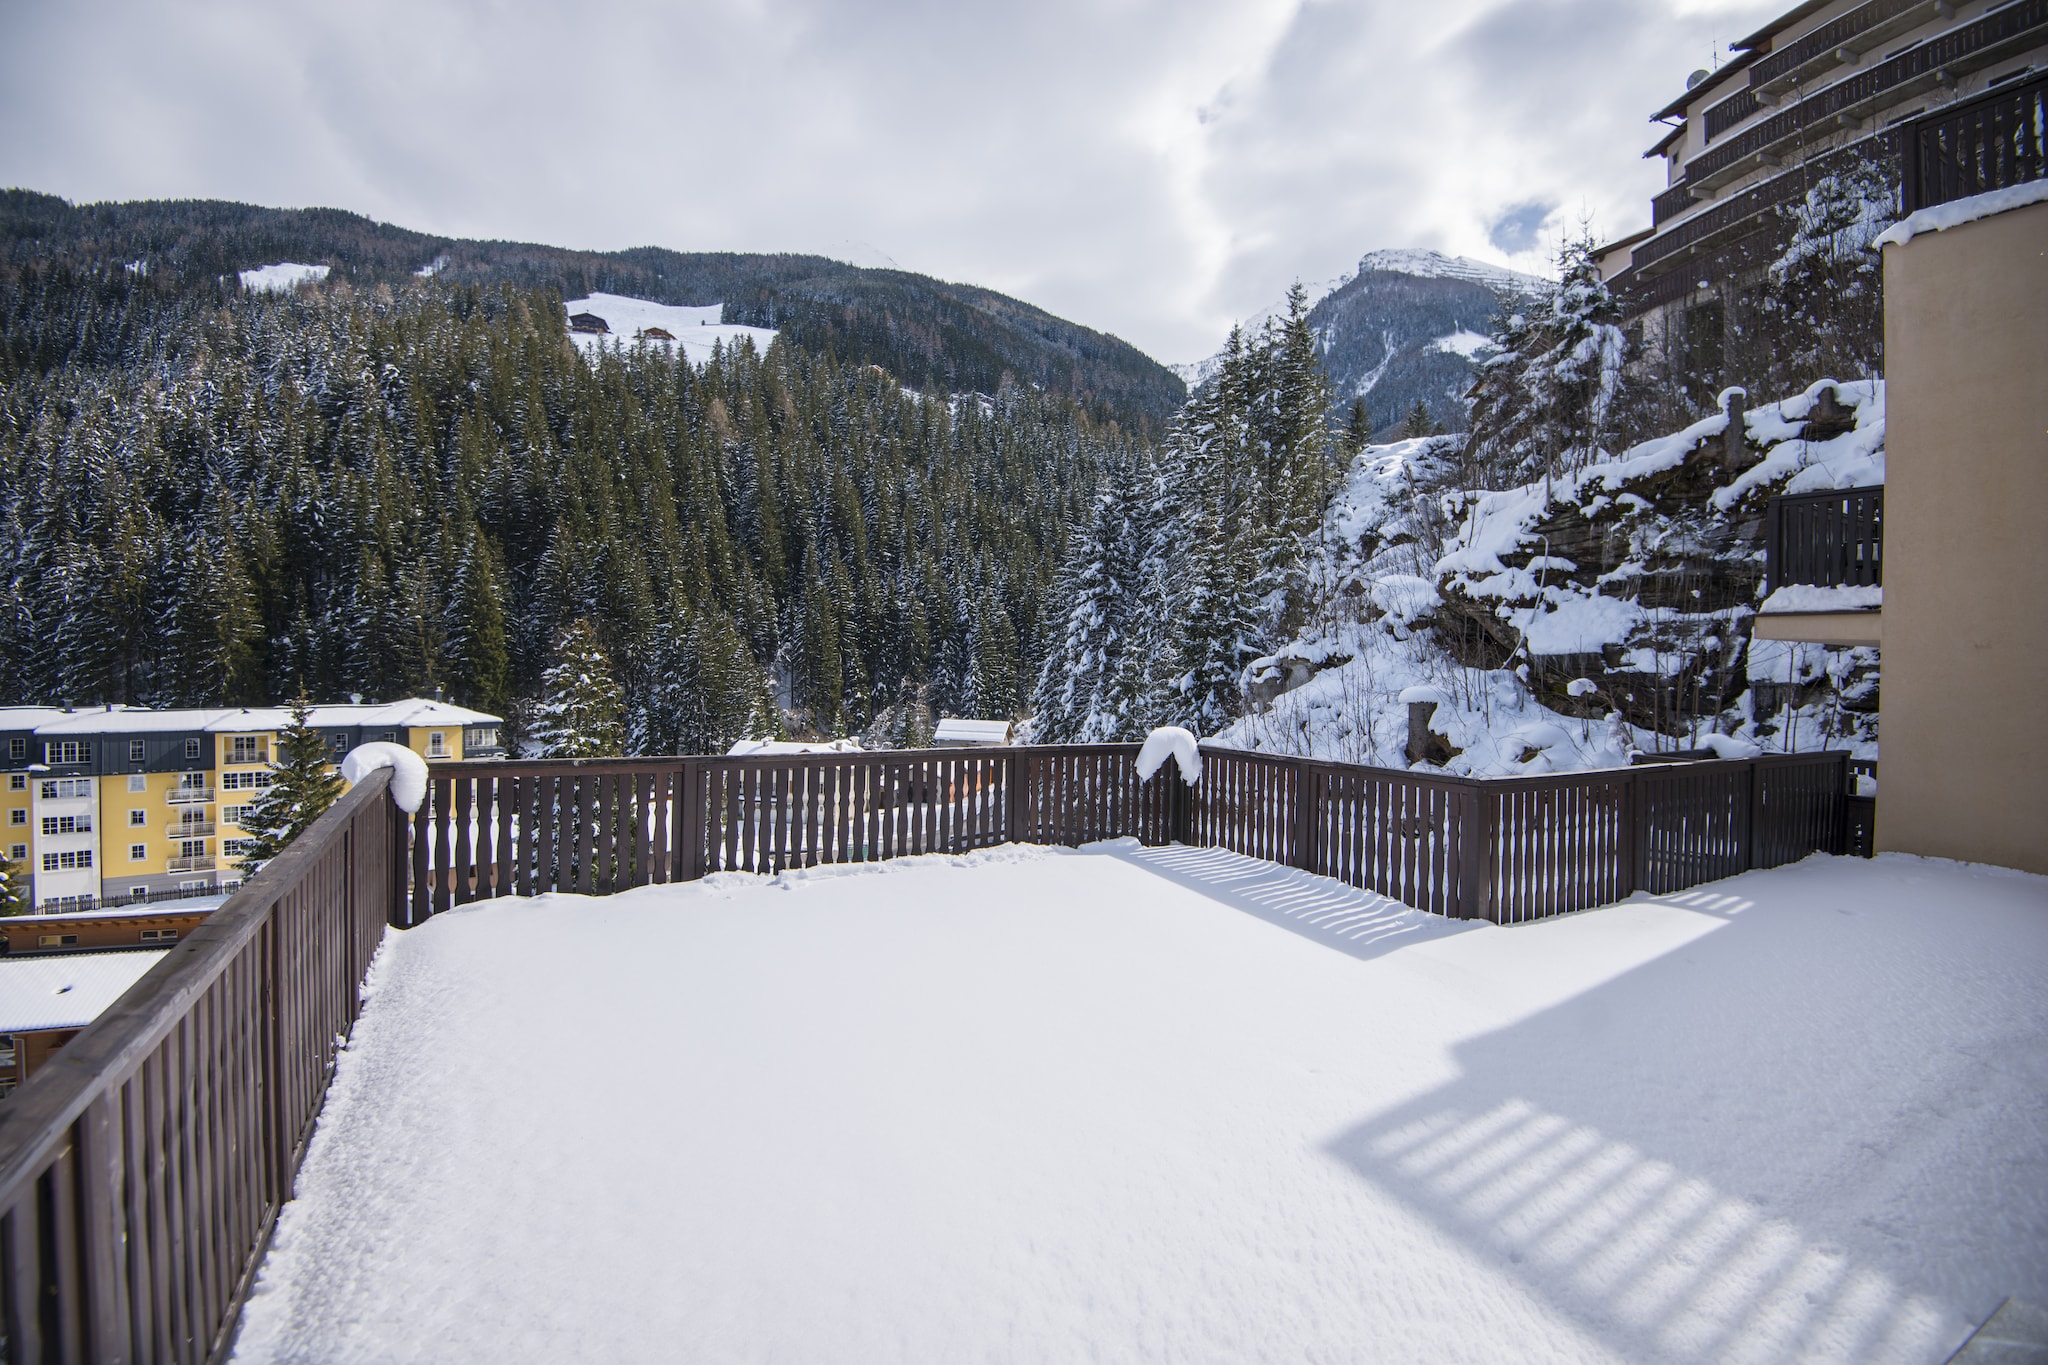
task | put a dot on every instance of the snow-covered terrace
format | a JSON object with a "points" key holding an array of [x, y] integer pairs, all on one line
{"points": [[1170, 1104]]}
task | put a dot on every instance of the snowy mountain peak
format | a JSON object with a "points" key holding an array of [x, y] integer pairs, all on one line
{"points": [[1436, 265]]}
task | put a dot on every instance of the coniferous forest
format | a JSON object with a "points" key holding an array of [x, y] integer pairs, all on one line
{"points": [[420, 486]]}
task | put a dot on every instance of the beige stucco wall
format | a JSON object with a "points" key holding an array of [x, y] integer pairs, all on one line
{"points": [[1964, 763]]}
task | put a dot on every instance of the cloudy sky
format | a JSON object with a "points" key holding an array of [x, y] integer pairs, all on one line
{"points": [[1155, 168]]}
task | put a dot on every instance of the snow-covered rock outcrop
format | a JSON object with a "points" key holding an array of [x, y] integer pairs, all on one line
{"points": [[1561, 625]]}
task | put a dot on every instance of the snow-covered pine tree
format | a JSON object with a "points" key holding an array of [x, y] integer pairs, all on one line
{"points": [[1221, 625], [479, 651], [581, 711], [1575, 383], [301, 789], [1357, 429], [1418, 423], [1079, 698], [1825, 291], [13, 887], [1500, 446]]}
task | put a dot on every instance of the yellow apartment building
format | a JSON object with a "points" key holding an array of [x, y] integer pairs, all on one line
{"points": [[120, 805]]}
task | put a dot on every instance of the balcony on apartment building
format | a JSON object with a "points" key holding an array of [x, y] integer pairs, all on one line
{"points": [[189, 829], [1824, 568], [200, 863], [1813, 107], [189, 796]]}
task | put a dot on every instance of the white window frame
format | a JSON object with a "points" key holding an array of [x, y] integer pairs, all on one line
{"points": [[138, 853]]}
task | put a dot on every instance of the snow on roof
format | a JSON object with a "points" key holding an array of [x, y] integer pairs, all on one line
{"points": [[695, 329], [412, 712], [281, 278], [1957, 212], [67, 992], [130, 720], [978, 731], [182, 905], [120, 720], [760, 748], [29, 717]]}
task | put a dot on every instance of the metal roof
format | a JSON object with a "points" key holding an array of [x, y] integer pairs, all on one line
{"points": [[67, 991], [121, 720]]}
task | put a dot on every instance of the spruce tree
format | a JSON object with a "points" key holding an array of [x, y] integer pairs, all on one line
{"points": [[1418, 423], [581, 710], [13, 887], [1357, 428], [301, 789]]}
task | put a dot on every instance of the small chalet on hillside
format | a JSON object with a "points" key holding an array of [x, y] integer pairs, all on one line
{"points": [[588, 322], [656, 334]]}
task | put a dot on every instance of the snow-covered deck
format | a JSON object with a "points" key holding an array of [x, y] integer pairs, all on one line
{"points": [[1125, 1104]]}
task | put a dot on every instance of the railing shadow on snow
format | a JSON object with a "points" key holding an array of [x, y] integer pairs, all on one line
{"points": [[1360, 924], [1631, 1153]]}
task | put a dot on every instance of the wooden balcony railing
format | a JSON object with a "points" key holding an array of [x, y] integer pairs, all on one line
{"points": [[142, 1169], [1497, 848], [1829, 540], [1922, 67], [1992, 141]]}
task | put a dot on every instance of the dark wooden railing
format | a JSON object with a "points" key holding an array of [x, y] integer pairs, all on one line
{"points": [[1506, 849], [2000, 32], [1988, 142], [142, 1168], [1830, 540]]}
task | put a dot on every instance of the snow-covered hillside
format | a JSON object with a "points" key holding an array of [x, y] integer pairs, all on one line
{"points": [[696, 330], [1560, 627], [281, 278]]}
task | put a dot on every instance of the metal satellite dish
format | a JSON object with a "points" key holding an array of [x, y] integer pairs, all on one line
{"points": [[1696, 77]]}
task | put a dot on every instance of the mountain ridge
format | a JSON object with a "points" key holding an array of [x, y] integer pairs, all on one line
{"points": [[1400, 329], [928, 333]]}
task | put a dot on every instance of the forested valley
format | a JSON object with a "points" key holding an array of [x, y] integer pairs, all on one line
{"points": [[213, 497]]}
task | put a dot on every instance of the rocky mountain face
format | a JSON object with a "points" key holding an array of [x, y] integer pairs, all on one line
{"points": [[1563, 623], [1406, 325]]}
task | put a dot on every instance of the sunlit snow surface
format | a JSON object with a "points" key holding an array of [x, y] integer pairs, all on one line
{"points": [[694, 329], [1173, 1105]]}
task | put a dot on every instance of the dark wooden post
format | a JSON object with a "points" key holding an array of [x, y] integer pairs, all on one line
{"points": [[1304, 816], [1016, 810], [1475, 853], [687, 846], [1753, 815], [1625, 880]]}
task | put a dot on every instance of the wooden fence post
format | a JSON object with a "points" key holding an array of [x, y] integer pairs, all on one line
{"points": [[1303, 834], [1753, 817], [1475, 854]]}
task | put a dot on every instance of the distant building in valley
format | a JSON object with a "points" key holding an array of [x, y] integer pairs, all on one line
{"points": [[119, 805], [588, 322]]}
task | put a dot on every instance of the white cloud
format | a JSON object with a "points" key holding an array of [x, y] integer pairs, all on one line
{"points": [[1155, 168]]}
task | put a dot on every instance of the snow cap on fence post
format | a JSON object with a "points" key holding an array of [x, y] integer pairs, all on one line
{"points": [[408, 771], [1177, 743]]}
